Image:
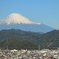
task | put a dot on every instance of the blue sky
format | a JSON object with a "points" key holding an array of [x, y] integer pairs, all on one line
{"points": [[41, 11]]}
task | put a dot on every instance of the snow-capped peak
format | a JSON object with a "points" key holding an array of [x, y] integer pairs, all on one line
{"points": [[15, 18]]}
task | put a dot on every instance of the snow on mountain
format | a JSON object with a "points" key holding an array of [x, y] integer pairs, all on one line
{"points": [[15, 18], [18, 21]]}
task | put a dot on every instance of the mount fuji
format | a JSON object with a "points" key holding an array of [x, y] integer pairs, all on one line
{"points": [[17, 21]]}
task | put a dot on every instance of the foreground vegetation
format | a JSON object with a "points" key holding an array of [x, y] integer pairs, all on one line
{"points": [[13, 43]]}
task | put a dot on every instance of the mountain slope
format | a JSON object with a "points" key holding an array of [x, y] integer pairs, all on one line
{"points": [[17, 21], [50, 39], [28, 27]]}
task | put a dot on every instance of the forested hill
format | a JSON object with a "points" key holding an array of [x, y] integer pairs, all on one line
{"points": [[13, 43], [50, 39], [18, 34]]}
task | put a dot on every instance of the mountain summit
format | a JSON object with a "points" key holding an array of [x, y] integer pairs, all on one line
{"points": [[18, 21], [15, 18]]}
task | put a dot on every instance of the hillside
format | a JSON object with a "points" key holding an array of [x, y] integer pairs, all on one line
{"points": [[50, 39], [13, 43], [16, 33]]}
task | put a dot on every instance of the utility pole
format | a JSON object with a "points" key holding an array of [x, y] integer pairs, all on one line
{"points": [[7, 44], [39, 47]]}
